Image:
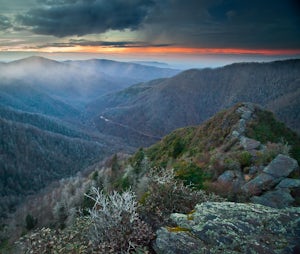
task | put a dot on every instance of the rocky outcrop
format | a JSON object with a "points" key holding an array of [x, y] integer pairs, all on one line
{"points": [[246, 111], [278, 169], [272, 187], [228, 227], [268, 185]]}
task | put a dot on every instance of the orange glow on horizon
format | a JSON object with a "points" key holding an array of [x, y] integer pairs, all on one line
{"points": [[160, 50]]}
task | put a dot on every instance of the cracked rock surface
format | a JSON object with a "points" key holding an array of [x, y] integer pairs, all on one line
{"points": [[226, 227]]}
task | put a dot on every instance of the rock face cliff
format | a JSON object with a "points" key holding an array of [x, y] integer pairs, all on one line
{"points": [[227, 227]]}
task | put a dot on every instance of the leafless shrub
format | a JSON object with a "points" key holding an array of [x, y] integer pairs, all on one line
{"points": [[116, 226]]}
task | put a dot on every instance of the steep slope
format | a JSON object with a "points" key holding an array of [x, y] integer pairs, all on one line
{"points": [[241, 153], [32, 158], [193, 96], [21, 95], [237, 149], [43, 122]]}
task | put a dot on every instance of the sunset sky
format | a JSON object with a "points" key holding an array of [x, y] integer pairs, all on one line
{"points": [[193, 33]]}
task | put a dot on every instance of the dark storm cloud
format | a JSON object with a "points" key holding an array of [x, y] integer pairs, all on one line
{"points": [[116, 44], [56, 2], [199, 23], [79, 17], [226, 23], [5, 23]]}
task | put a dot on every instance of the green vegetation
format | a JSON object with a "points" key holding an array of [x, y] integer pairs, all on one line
{"points": [[245, 159], [30, 222], [136, 160], [265, 128], [177, 148], [190, 173]]}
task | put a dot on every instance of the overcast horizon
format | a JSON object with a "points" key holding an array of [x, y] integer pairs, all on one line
{"points": [[183, 34]]}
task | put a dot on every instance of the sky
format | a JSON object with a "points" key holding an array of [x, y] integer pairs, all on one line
{"points": [[185, 33]]}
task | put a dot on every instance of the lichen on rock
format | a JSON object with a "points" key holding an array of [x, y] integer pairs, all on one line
{"points": [[226, 227]]}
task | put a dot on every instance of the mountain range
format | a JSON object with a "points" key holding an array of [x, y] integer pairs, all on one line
{"points": [[44, 133], [61, 118], [77, 82], [157, 107]]}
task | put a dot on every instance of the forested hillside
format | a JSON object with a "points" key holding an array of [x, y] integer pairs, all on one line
{"points": [[191, 97], [31, 158]]}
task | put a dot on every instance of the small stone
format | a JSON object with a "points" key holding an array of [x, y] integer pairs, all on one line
{"points": [[235, 134]]}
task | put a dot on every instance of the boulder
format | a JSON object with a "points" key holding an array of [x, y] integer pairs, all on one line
{"points": [[246, 110], [281, 166], [233, 178], [276, 198], [250, 144], [277, 170], [259, 184], [185, 244], [226, 227], [289, 183]]}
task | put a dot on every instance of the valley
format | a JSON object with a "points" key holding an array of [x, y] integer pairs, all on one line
{"points": [[69, 126]]}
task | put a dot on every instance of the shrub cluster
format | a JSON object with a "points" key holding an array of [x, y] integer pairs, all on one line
{"points": [[167, 195], [115, 224]]}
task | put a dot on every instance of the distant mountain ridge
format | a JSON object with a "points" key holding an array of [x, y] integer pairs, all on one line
{"points": [[77, 82], [189, 98]]}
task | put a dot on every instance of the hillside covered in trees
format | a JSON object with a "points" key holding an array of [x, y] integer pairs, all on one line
{"points": [[158, 107], [242, 155]]}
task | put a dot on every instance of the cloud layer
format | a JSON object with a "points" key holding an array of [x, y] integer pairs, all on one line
{"points": [[80, 17], [5, 23], [226, 23], [115, 44], [191, 23]]}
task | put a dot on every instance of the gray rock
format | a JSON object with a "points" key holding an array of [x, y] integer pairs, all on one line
{"points": [[228, 176], [281, 166], [226, 227], [259, 184], [289, 183], [185, 243], [249, 144], [276, 199], [236, 134], [277, 170], [232, 178], [247, 115], [241, 126], [254, 170]]}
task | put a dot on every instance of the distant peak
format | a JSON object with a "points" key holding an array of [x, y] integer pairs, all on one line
{"points": [[35, 59]]}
